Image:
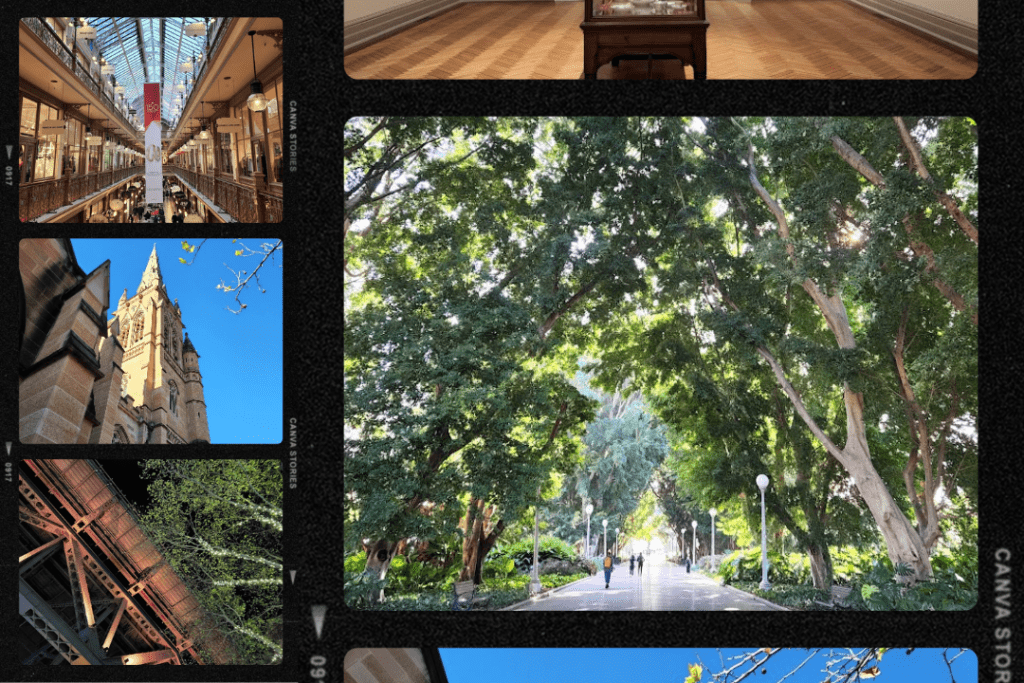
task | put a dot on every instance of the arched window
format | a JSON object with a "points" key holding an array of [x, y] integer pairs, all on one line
{"points": [[126, 326], [119, 436], [137, 326], [174, 397]]}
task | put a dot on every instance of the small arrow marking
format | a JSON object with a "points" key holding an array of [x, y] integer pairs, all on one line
{"points": [[8, 448], [319, 612], [10, 150], [292, 572]]}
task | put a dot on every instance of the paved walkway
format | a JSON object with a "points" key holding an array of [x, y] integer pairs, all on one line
{"points": [[661, 587]]}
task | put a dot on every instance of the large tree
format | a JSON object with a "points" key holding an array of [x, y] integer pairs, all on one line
{"points": [[460, 341], [219, 524], [776, 240], [791, 235]]}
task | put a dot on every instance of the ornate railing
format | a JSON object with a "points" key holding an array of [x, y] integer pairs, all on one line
{"points": [[71, 60], [44, 196], [238, 199]]}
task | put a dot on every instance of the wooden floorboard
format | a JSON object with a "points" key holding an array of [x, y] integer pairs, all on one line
{"points": [[765, 39]]}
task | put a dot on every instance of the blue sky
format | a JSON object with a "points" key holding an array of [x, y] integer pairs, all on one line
{"points": [[653, 665], [240, 356]]}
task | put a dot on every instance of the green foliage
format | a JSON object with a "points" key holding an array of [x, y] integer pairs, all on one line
{"points": [[502, 593], [411, 576], [499, 567], [362, 590], [881, 591], [355, 562], [218, 523], [745, 565], [622, 447], [850, 565], [510, 248], [521, 551]]}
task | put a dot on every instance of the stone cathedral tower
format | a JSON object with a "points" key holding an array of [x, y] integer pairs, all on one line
{"points": [[161, 392]]}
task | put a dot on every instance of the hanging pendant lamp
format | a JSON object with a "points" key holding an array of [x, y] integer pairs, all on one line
{"points": [[203, 133], [256, 101]]}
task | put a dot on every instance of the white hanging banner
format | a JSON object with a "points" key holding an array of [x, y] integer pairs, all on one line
{"points": [[154, 153]]}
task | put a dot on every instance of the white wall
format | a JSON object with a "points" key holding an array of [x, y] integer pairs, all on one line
{"points": [[961, 10], [358, 9]]}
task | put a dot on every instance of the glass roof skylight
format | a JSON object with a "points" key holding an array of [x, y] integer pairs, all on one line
{"points": [[149, 50]]}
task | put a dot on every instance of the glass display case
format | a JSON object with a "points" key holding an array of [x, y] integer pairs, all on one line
{"points": [[625, 29]]}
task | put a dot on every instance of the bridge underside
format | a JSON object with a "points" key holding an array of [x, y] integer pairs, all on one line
{"points": [[82, 600]]}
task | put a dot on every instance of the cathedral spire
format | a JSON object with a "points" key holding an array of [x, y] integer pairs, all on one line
{"points": [[187, 347], [123, 300], [152, 275]]}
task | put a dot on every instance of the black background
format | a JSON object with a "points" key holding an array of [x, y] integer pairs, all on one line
{"points": [[324, 97]]}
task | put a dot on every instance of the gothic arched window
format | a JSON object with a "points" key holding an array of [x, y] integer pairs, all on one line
{"points": [[119, 436], [126, 326], [174, 397], [137, 328]]}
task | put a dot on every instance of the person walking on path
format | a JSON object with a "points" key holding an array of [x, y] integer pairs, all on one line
{"points": [[632, 562], [640, 564], [607, 569]]}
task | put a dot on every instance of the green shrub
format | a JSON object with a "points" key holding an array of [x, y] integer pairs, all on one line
{"points": [[410, 576], [362, 591], [498, 567], [745, 565], [355, 562], [521, 551], [880, 591]]}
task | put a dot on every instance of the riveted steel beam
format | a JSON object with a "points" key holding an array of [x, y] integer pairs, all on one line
{"points": [[113, 626], [27, 516], [93, 516], [77, 573], [157, 657], [90, 563], [52, 627], [35, 557]]}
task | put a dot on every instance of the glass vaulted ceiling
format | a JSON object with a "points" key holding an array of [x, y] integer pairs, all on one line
{"points": [[149, 50]]}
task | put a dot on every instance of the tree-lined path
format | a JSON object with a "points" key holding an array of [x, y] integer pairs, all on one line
{"points": [[662, 587], [588, 333]]}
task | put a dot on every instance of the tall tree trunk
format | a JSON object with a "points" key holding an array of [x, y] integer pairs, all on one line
{"points": [[902, 541], [474, 525], [821, 565], [378, 559], [480, 537]]}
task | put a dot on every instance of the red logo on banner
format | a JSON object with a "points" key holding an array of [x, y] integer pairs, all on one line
{"points": [[152, 92]]}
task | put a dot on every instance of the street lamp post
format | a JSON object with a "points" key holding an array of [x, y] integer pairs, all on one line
{"points": [[590, 509], [616, 541], [712, 512], [762, 483], [535, 586], [694, 554], [605, 523]]}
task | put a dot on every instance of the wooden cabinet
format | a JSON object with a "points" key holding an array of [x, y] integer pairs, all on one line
{"points": [[624, 29]]}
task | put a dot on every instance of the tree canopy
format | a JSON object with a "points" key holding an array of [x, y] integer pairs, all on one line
{"points": [[792, 296], [219, 525]]}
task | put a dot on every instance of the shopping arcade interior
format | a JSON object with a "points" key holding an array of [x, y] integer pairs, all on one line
{"points": [[81, 99]]}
